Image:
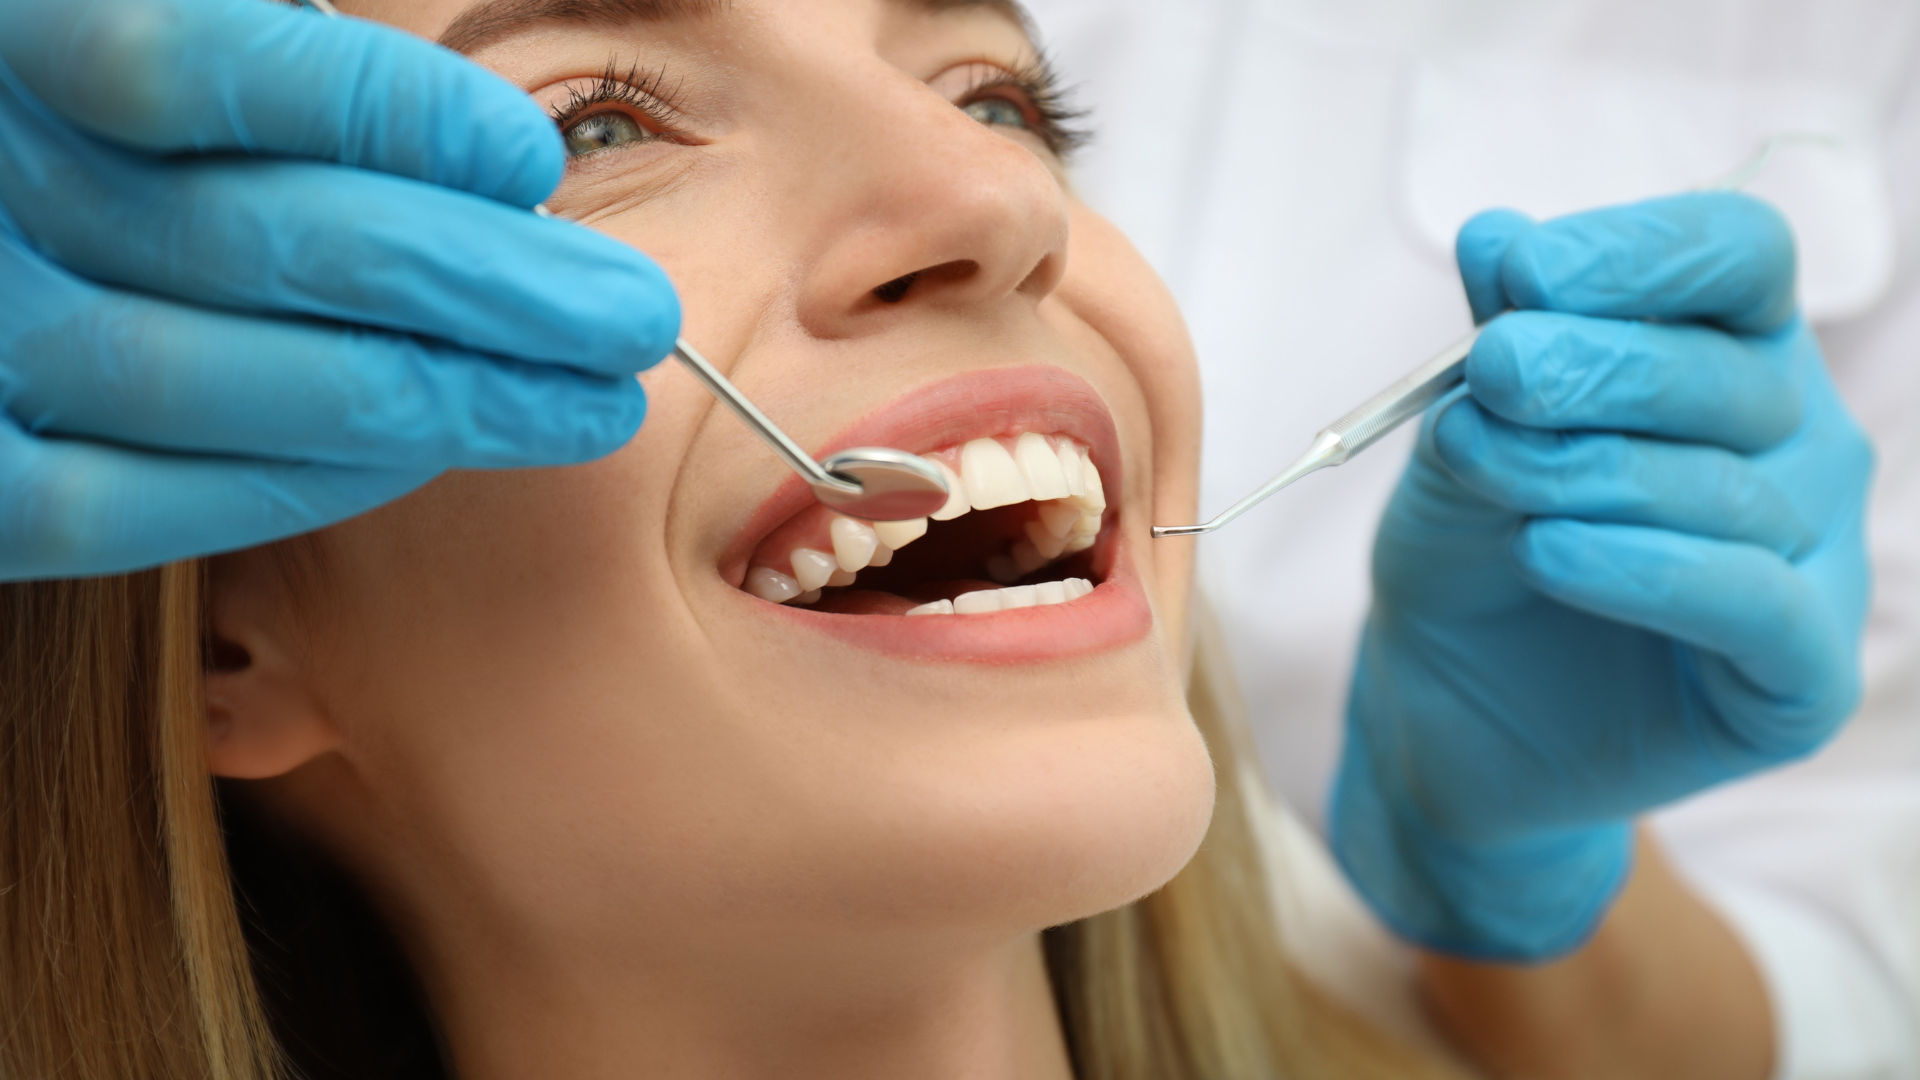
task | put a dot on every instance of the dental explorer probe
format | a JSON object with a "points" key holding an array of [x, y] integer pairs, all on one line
{"points": [[875, 483], [1355, 431], [1430, 381]]}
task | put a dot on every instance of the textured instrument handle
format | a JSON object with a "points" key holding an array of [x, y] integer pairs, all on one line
{"points": [[1405, 399]]}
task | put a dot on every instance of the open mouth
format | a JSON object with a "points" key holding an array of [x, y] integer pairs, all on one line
{"points": [[1028, 562], [1021, 528]]}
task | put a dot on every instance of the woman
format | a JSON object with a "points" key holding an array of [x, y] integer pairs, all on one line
{"points": [[626, 796]]}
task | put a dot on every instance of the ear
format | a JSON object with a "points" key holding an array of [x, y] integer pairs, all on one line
{"points": [[264, 717]]}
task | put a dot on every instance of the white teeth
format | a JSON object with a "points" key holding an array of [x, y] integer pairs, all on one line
{"points": [[1040, 466], [1096, 496], [1026, 558], [1072, 467], [956, 493], [769, 584], [1054, 472], [977, 603], [987, 601], [1059, 516], [1018, 596], [1044, 541], [898, 534], [811, 568], [991, 475], [854, 543]]}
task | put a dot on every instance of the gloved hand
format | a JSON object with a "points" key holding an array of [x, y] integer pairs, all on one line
{"points": [[262, 270], [1625, 565]]}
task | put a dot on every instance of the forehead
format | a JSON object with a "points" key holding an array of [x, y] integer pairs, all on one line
{"points": [[473, 25]]}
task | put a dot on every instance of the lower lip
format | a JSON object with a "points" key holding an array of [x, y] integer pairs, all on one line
{"points": [[1113, 615]]}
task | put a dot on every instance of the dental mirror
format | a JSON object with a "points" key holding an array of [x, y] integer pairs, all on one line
{"points": [[876, 483]]}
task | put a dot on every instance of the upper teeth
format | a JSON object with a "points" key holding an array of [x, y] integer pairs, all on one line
{"points": [[854, 543], [1057, 472]]}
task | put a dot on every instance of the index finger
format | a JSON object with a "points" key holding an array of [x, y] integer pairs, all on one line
{"points": [[1717, 257], [242, 75]]}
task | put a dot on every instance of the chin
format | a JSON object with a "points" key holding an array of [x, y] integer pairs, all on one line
{"points": [[1048, 827]]}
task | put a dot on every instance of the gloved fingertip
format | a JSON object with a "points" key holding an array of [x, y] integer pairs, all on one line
{"points": [[649, 321], [590, 419], [1480, 249], [1496, 368], [525, 159], [659, 329], [612, 427], [1459, 434], [1772, 256]]}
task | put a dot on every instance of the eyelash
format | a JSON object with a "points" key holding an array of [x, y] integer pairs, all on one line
{"points": [[1054, 118], [644, 92]]}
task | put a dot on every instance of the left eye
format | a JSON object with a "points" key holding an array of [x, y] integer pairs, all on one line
{"points": [[604, 131], [996, 112]]}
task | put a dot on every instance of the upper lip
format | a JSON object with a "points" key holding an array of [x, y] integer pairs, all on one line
{"points": [[978, 404]]}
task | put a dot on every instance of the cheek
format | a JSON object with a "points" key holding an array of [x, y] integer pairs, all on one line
{"points": [[549, 699], [491, 636], [1110, 287], [540, 713]]}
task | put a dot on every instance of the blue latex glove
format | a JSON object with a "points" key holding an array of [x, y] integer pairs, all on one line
{"points": [[261, 271], [1628, 564]]}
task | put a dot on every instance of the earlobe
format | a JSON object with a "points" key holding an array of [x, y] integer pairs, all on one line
{"points": [[263, 717]]}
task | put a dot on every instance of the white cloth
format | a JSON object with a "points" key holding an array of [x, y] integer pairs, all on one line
{"points": [[1296, 169]]}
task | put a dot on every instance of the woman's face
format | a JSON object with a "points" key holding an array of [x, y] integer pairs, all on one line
{"points": [[568, 698]]}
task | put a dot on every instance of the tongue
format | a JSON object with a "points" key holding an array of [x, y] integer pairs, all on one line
{"points": [[864, 602]]}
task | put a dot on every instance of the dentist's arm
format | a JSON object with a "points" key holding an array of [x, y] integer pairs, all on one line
{"points": [[1626, 566], [261, 271], [1662, 989]]}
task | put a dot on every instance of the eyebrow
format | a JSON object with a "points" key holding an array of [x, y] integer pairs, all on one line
{"points": [[483, 22], [491, 19]]}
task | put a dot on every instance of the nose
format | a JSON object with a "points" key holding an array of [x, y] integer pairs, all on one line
{"points": [[924, 207]]}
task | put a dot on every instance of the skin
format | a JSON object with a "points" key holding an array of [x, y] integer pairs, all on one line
{"points": [[1663, 990], [627, 822]]}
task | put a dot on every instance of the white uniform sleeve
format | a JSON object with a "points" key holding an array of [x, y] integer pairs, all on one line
{"points": [[1838, 1014], [1842, 1010], [1816, 869]]}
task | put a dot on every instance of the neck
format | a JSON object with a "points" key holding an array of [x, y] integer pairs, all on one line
{"points": [[983, 1013]]}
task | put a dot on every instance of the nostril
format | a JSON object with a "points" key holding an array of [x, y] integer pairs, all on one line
{"points": [[896, 290]]}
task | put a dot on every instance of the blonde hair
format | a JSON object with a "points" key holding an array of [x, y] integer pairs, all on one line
{"points": [[122, 955]]}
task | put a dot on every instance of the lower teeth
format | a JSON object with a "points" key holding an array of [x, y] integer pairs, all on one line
{"points": [[1018, 596]]}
